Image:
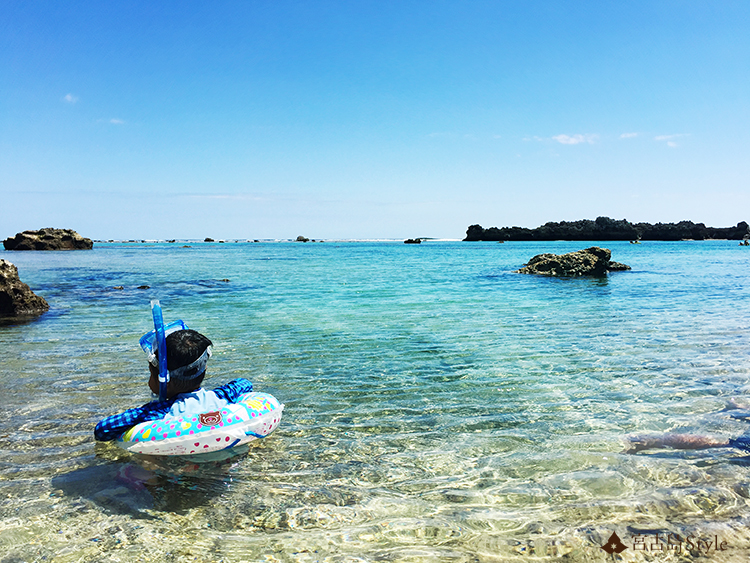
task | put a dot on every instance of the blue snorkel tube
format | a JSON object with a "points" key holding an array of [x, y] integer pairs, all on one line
{"points": [[154, 343], [161, 342]]}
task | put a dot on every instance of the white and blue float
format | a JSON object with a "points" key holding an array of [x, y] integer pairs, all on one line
{"points": [[253, 416]]}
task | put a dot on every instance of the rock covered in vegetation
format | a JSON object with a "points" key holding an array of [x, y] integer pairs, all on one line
{"points": [[592, 261], [48, 239], [687, 230], [604, 228], [16, 298]]}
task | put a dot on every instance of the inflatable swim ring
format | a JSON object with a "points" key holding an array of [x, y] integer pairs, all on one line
{"points": [[253, 416]]}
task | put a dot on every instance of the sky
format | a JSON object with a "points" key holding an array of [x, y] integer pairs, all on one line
{"points": [[367, 119]]}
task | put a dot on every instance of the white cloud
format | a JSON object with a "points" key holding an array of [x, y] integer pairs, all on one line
{"points": [[115, 121], [454, 136], [235, 197], [628, 135], [575, 139], [668, 137], [70, 98]]}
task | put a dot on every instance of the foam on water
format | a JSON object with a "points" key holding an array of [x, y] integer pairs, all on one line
{"points": [[439, 407]]}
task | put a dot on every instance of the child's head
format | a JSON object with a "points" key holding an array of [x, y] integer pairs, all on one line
{"points": [[187, 354]]}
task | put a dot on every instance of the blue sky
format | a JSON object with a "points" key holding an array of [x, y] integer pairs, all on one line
{"points": [[359, 119]]}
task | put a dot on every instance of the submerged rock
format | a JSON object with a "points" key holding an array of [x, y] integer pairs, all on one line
{"points": [[592, 261], [16, 298], [48, 239]]}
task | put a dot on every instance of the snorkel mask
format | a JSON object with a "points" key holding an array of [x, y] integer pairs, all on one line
{"points": [[154, 343]]}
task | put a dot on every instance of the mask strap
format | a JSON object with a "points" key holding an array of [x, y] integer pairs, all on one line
{"points": [[194, 369], [161, 342]]}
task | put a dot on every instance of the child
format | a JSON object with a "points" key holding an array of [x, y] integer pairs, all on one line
{"points": [[188, 352]]}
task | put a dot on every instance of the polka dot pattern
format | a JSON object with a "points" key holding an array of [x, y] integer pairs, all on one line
{"points": [[254, 415]]}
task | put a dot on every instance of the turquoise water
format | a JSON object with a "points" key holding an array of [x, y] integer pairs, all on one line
{"points": [[439, 407]]}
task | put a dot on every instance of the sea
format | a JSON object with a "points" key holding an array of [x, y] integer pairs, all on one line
{"points": [[439, 406]]}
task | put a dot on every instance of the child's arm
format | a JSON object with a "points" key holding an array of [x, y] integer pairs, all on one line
{"points": [[113, 426], [636, 444], [232, 390]]}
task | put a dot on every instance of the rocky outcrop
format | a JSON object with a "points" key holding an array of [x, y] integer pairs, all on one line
{"points": [[604, 228], [592, 261], [687, 230], [16, 298], [48, 239]]}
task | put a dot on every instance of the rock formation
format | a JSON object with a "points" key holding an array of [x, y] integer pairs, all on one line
{"points": [[604, 228], [48, 239], [592, 261], [16, 298]]}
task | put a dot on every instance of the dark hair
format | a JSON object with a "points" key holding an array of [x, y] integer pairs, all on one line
{"points": [[183, 348]]}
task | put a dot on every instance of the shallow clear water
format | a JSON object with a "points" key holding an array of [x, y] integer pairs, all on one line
{"points": [[439, 407]]}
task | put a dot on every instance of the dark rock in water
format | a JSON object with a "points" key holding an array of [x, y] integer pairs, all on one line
{"points": [[143, 287], [48, 239], [302, 239], [208, 239], [592, 261], [413, 241], [16, 298]]}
